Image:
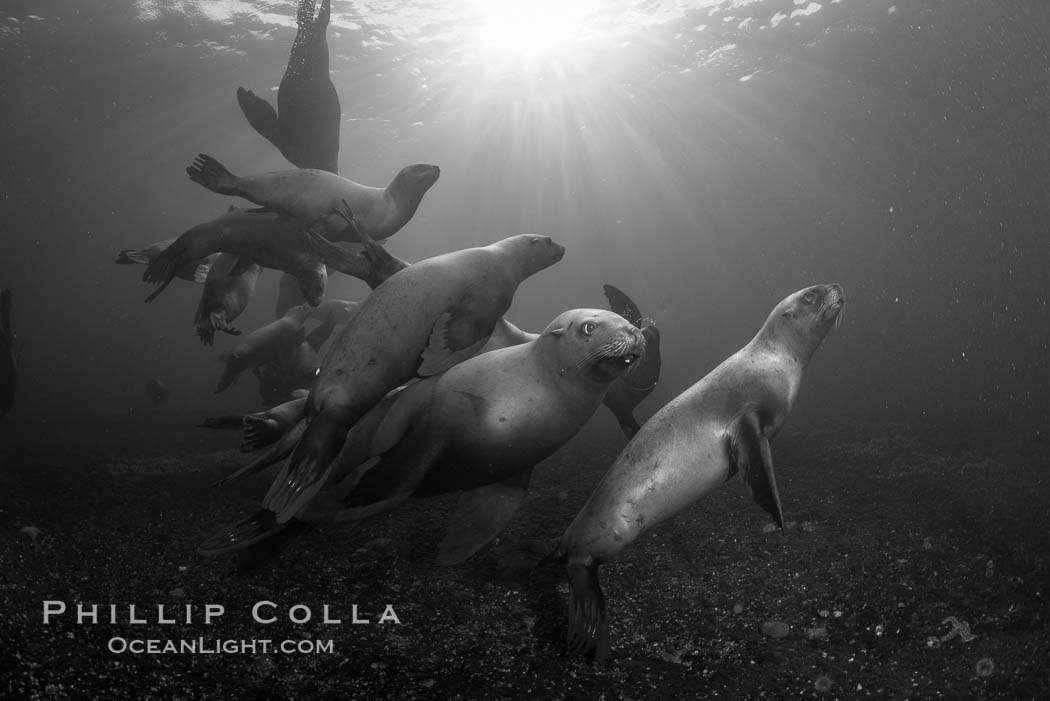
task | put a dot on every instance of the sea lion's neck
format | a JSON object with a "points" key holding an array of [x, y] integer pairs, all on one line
{"points": [[783, 336]]}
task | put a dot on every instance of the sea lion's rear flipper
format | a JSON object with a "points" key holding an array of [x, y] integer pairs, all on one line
{"points": [[213, 175], [163, 269], [282, 449], [622, 305], [750, 454], [460, 331], [588, 627], [480, 516], [200, 273], [261, 115], [259, 432], [130, 256]]}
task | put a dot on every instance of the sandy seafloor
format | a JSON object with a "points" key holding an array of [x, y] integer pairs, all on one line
{"points": [[893, 528]]}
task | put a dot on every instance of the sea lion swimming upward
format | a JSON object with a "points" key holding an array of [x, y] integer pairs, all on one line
{"points": [[480, 426], [720, 426], [305, 127], [421, 321], [267, 238], [310, 194]]}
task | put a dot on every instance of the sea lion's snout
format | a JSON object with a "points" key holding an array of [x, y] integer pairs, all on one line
{"points": [[833, 302]]}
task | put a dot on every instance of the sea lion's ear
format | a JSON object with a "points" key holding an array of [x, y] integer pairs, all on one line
{"points": [[557, 332], [789, 313]]}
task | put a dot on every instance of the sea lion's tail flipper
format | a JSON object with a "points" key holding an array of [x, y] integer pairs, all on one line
{"points": [[225, 423], [622, 305], [213, 175], [480, 516], [261, 115], [588, 627], [750, 454]]}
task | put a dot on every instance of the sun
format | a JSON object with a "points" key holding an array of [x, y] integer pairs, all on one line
{"points": [[532, 28]]}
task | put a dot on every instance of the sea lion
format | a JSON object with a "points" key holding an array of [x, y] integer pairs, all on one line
{"points": [[191, 270], [305, 127], [226, 294], [264, 345], [629, 392], [9, 360], [310, 194], [266, 238], [481, 425], [157, 391], [421, 321], [720, 426]]}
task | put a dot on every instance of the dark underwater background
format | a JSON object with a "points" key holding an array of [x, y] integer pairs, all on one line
{"points": [[708, 158]]}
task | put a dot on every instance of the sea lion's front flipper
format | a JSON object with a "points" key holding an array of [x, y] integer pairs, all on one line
{"points": [[347, 262], [622, 305], [261, 115], [750, 454], [460, 332], [480, 516], [588, 627]]}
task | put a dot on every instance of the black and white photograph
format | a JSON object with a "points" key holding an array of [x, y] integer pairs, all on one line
{"points": [[506, 349]]}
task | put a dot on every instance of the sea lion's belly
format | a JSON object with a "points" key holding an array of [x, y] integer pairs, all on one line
{"points": [[671, 463]]}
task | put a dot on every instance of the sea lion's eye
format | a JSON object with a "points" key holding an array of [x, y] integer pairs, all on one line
{"points": [[809, 298], [588, 328]]}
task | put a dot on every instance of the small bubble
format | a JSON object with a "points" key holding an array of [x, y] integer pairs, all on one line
{"points": [[822, 683], [985, 667], [879, 630]]}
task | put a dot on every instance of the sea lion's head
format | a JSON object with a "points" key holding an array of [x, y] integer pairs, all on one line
{"points": [[312, 284], [599, 344], [807, 315], [531, 252], [415, 180]]}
